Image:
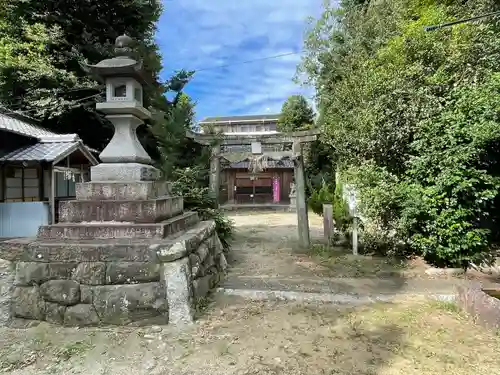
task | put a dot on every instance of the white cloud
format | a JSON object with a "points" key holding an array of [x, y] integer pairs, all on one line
{"points": [[201, 34]]}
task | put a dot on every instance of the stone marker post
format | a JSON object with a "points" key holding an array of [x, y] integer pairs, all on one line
{"points": [[293, 197], [355, 236], [215, 169], [327, 222]]}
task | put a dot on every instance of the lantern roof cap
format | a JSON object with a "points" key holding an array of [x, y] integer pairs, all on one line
{"points": [[122, 65]]}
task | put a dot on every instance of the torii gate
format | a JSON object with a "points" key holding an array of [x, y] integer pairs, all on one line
{"points": [[296, 139]]}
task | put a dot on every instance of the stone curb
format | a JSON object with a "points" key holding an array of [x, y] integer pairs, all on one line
{"points": [[349, 299], [485, 309]]}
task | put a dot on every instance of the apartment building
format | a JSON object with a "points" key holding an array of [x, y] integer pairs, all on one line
{"points": [[241, 124]]}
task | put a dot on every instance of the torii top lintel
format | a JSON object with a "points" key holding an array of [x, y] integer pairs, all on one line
{"points": [[235, 139]]}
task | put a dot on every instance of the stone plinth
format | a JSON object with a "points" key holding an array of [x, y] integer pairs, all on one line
{"points": [[135, 191], [107, 229], [124, 172], [144, 211], [123, 254]]}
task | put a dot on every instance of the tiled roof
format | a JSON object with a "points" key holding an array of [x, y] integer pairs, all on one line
{"points": [[42, 151], [51, 144], [236, 119], [23, 127]]}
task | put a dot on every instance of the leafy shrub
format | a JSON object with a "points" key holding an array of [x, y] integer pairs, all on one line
{"points": [[379, 241], [335, 197], [324, 195], [459, 193], [341, 213], [186, 182]]}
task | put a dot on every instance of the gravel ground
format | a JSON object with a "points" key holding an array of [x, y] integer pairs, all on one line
{"points": [[238, 337], [407, 336]]}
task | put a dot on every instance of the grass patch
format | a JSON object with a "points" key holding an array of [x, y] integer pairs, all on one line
{"points": [[201, 304], [73, 349], [446, 306], [343, 264], [17, 359], [20, 349]]}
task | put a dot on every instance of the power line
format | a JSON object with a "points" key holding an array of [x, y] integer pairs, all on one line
{"points": [[59, 92], [72, 101], [7, 111], [250, 61], [23, 112], [471, 19]]}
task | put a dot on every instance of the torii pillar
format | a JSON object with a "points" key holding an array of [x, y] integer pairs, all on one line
{"points": [[301, 199], [215, 169]]}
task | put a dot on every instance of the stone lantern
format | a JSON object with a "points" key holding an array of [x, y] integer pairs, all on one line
{"points": [[124, 251], [124, 158]]}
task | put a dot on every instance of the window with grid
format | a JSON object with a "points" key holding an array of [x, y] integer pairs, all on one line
{"points": [[22, 185]]}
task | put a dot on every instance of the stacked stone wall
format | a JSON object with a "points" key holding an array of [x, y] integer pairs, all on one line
{"points": [[119, 283]]}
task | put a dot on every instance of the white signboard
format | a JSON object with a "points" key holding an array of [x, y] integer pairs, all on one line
{"points": [[256, 148]]}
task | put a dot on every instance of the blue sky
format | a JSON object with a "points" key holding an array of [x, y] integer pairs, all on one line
{"points": [[202, 34]]}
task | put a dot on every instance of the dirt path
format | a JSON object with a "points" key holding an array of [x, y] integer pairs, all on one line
{"points": [[264, 257], [265, 243]]}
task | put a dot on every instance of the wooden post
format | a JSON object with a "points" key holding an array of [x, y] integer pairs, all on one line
{"points": [[2, 183], [301, 201], [52, 195], [40, 182], [214, 178], [328, 222]]}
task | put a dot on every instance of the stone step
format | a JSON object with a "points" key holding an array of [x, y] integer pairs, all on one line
{"points": [[107, 230], [144, 211], [137, 190], [107, 250]]}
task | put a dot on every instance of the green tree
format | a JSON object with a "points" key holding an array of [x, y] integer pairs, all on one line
{"points": [[42, 44], [56, 90], [296, 114], [176, 150], [412, 117], [26, 64]]}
